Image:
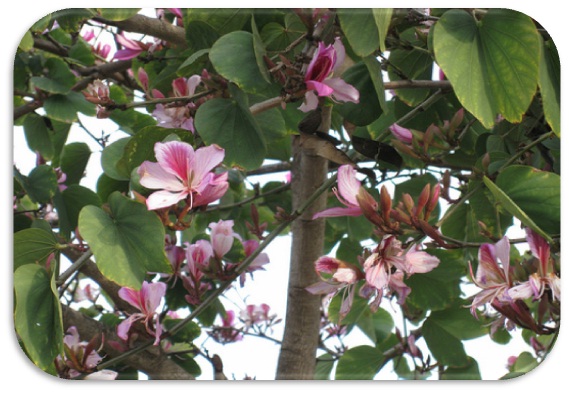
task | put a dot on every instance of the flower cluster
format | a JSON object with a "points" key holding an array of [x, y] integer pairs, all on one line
{"points": [[206, 260], [505, 289], [255, 319], [80, 358], [383, 271]]}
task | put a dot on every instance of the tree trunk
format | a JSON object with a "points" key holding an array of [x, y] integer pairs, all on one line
{"points": [[297, 359]]}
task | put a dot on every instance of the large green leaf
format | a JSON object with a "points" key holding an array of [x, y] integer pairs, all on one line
{"points": [[382, 18], [65, 107], [377, 325], [359, 363], [229, 124], [111, 162], [278, 37], [537, 193], [41, 184], [499, 61], [69, 203], [128, 242], [222, 20], [368, 109], [237, 48], [357, 24], [59, 77], [550, 84], [37, 315], [33, 246], [73, 161], [37, 135]]}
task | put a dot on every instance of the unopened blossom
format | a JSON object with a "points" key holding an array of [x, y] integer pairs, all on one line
{"points": [[97, 92], [318, 80], [198, 256], [181, 173], [222, 237], [545, 277], [492, 274], [347, 191], [146, 300], [401, 133]]}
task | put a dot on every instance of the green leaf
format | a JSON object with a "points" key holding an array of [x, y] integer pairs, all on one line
{"points": [[278, 37], [444, 331], [106, 185], [41, 184], [27, 42], [117, 14], [187, 64], [65, 107], [238, 48], [359, 363], [187, 334], [38, 135], [368, 109], [33, 246], [229, 124], [70, 203], [324, 366], [111, 160], [82, 53], [414, 63], [59, 78], [470, 372], [359, 23], [128, 242], [377, 325], [359, 307], [376, 75], [535, 192], [500, 56], [73, 161], [486, 211], [382, 18], [260, 51], [37, 315], [222, 20], [550, 84]]}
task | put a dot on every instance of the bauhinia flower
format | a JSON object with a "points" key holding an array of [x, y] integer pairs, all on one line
{"points": [[178, 116], [545, 277], [222, 236], [146, 300], [347, 191], [256, 314], [226, 333], [492, 274], [258, 262], [325, 61], [183, 174], [198, 256]]}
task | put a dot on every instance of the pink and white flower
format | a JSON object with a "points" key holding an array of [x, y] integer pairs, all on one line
{"points": [[181, 173], [146, 300], [222, 236], [347, 191], [325, 61]]}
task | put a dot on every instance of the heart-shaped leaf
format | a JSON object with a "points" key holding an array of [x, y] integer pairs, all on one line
{"points": [[128, 242], [33, 246], [359, 363], [37, 315], [499, 65]]}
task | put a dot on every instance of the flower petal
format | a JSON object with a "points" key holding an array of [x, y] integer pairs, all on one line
{"points": [[164, 198], [310, 101], [205, 160], [321, 88], [348, 184], [343, 91], [153, 176], [175, 157], [338, 212]]}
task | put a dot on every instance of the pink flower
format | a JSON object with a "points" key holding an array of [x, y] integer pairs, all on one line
{"points": [[256, 314], [222, 236], [401, 133], [131, 48], [182, 174], [325, 61], [417, 261], [226, 333], [492, 275], [146, 300], [197, 257], [544, 278], [179, 117], [348, 188], [258, 262]]}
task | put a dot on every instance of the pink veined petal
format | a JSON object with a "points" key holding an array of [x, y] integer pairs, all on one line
{"points": [[124, 327], [179, 87], [347, 302], [323, 288], [338, 212], [127, 42], [175, 157], [151, 294], [342, 90], [321, 88], [164, 198], [310, 101], [152, 176], [348, 184], [346, 275], [522, 291], [131, 296], [376, 276], [340, 53], [205, 160], [213, 191], [539, 248], [127, 54], [193, 83], [420, 262], [502, 249]]}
